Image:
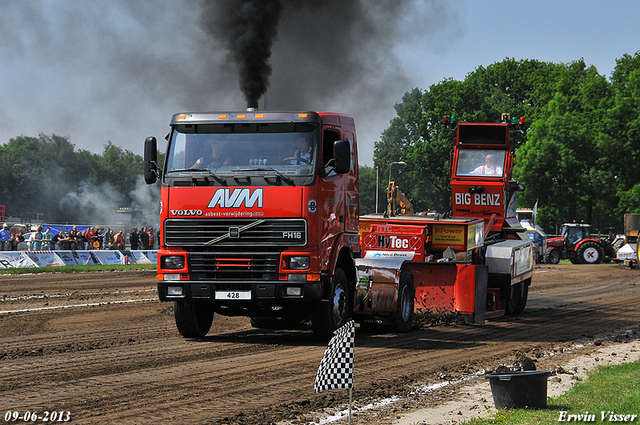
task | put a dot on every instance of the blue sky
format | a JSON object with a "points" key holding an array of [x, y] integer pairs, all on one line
{"points": [[553, 31], [117, 70]]}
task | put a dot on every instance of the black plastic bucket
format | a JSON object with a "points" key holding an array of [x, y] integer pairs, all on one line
{"points": [[518, 390]]}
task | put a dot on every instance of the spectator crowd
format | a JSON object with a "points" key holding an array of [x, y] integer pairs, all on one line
{"points": [[92, 238]]}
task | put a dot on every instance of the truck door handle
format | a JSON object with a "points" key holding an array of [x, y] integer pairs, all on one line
{"points": [[341, 219]]}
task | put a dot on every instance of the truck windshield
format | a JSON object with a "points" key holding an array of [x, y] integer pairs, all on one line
{"points": [[480, 162], [234, 150]]}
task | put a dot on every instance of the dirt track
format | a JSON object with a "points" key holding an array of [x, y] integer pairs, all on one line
{"points": [[114, 356]]}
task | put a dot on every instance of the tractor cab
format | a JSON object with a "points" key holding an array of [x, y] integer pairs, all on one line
{"points": [[574, 233]]}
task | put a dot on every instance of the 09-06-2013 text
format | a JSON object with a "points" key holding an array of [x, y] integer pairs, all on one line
{"points": [[35, 416]]}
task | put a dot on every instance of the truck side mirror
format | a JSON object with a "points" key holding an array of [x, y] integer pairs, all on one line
{"points": [[150, 160], [342, 156]]}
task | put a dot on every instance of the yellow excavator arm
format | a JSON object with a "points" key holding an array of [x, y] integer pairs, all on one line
{"points": [[397, 202]]}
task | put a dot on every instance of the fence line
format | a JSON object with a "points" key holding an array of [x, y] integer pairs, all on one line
{"points": [[61, 258]]}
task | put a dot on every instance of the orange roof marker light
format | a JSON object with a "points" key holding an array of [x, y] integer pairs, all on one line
{"points": [[303, 115], [259, 115], [182, 117], [241, 116], [222, 116]]}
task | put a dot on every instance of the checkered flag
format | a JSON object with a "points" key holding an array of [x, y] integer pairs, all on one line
{"points": [[336, 367]]}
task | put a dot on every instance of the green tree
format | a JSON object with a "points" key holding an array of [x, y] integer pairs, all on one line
{"points": [[37, 174], [572, 160], [418, 137], [623, 130], [119, 167], [561, 164], [367, 182]]}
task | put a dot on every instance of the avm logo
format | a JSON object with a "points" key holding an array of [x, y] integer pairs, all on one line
{"points": [[227, 198]]}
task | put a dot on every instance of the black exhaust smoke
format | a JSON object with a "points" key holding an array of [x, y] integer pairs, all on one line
{"points": [[329, 52], [249, 27]]}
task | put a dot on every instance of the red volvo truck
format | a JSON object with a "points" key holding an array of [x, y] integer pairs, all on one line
{"points": [[260, 218]]}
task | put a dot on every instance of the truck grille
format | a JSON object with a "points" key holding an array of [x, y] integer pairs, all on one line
{"points": [[217, 233], [233, 265]]}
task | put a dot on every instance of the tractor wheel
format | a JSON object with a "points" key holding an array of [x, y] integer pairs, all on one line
{"points": [[327, 317], [590, 253], [193, 319], [552, 256], [403, 318]]}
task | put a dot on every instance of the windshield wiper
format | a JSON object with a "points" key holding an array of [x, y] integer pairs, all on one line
{"points": [[202, 170], [282, 176]]}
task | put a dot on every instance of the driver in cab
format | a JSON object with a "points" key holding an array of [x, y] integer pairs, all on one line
{"points": [[304, 153], [215, 159], [490, 167]]}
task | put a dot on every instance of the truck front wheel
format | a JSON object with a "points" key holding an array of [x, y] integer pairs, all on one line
{"points": [[193, 319], [327, 317]]}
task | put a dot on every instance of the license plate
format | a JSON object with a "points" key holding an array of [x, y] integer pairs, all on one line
{"points": [[233, 295]]}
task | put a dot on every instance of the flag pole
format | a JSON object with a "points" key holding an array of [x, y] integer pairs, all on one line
{"points": [[350, 402], [336, 366]]}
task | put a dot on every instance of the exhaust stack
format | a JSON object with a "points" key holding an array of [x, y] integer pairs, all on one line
{"points": [[252, 106]]}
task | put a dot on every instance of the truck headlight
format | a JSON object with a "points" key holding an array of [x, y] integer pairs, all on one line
{"points": [[172, 262], [300, 262], [174, 291]]}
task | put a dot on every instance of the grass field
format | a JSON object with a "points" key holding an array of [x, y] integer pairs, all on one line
{"points": [[610, 394]]}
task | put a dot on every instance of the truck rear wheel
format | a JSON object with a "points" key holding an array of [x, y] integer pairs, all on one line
{"points": [[403, 318], [193, 319], [523, 295], [328, 317], [552, 256], [518, 295], [590, 253]]}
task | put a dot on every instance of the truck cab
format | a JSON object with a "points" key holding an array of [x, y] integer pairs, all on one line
{"points": [[259, 217]]}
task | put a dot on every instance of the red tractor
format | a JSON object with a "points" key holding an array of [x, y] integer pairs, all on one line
{"points": [[577, 245]]}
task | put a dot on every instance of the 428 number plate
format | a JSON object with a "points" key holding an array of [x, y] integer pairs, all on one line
{"points": [[233, 295]]}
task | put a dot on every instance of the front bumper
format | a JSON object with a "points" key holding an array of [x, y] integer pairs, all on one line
{"points": [[240, 294]]}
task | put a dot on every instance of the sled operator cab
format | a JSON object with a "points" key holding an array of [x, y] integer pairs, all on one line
{"points": [[481, 180]]}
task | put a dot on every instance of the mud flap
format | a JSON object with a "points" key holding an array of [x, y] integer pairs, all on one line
{"points": [[480, 310]]}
